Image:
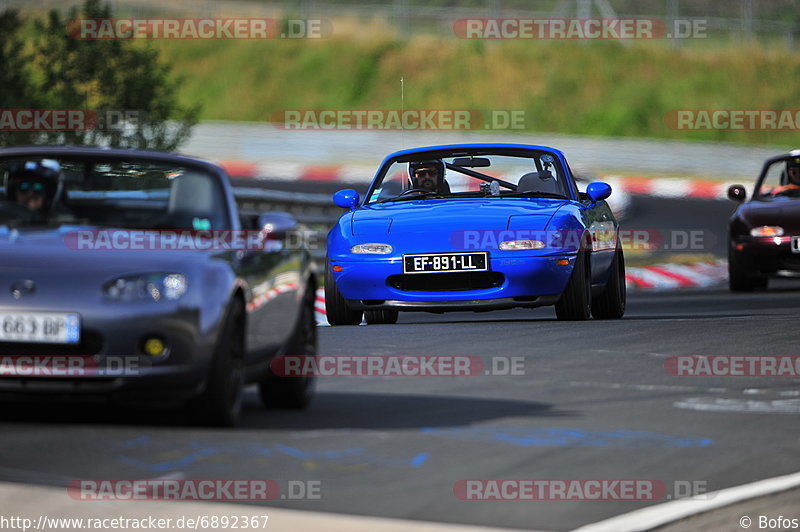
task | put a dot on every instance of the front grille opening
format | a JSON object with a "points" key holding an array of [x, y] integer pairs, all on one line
{"points": [[446, 282]]}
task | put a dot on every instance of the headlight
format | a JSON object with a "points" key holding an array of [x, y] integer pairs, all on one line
{"points": [[371, 249], [155, 287], [767, 230], [512, 245]]}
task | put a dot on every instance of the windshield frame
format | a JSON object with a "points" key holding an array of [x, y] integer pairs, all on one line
{"points": [[93, 157], [758, 195], [475, 151]]}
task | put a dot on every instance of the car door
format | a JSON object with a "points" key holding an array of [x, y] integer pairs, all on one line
{"points": [[273, 273]]}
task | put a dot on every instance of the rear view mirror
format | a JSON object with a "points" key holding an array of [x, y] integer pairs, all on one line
{"points": [[472, 162]]}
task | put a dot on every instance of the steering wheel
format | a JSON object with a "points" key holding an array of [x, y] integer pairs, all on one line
{"points": [[410, 190]]}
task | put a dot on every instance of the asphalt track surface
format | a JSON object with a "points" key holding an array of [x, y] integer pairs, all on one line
{"points": [[594, 402]]}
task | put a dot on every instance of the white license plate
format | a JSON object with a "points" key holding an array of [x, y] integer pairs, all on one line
{"points": [[40, 327], [796, 244], [445, 262]]}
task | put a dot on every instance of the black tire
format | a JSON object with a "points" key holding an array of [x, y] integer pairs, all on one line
{"points": [[220, 404], [740, 279], [610, 305], [337, 311], [575, 303], [377, 317], [294, 392]]}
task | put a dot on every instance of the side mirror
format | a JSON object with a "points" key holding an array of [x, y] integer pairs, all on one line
{"points": [[347, 198], [277, 224], [737, 193], [598, 191]]}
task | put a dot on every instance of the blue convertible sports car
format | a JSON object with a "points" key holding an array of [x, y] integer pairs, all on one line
{"points": [[474, 227]]}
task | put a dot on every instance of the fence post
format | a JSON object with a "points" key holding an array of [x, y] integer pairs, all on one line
{"points": [[673, 13], [747, 19]]}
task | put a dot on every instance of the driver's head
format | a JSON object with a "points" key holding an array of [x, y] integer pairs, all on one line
{"points": [[33, 184], [427, 175], [793, 170]]}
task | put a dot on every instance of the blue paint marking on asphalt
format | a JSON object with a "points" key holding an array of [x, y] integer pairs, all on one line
{"points": [[254, 449], [332, 455], [203, 451], [137, 442], [420, 459], [170, 465], [567, 437]]}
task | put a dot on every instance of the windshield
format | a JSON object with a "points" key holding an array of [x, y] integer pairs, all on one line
{"points": [[534, 174], [781, 180], [131, 194]]}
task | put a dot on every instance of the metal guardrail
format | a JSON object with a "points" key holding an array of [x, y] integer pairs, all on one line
{"points": [[316, 211], [307, 208]]}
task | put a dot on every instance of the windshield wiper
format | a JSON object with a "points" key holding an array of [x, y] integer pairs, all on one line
{"points": [[416, 195]]}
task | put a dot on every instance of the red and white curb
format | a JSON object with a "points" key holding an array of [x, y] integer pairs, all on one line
{"points": [[666, 187], [319, 308], [675, 276], [271, 294], [669, 187], [658, 277]]}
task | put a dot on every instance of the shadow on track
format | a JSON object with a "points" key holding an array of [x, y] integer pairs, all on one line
{"points": [[328, 410], [393, 411]]}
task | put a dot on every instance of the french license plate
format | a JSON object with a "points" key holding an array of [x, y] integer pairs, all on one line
{"points": [[40, 327], [445, 262], [796, 244]]}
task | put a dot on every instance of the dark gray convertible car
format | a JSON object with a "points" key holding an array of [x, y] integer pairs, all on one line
{"points": [[132, 275]]}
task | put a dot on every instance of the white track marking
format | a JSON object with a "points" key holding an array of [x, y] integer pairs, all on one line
{"points": [[670, 512]]}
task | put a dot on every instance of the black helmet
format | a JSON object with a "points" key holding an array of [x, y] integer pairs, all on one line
{"points": [[46, 172], [427, 182], [793, 162]]}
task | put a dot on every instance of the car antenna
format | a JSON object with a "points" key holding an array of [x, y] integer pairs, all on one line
{"points": [[402, 112]]}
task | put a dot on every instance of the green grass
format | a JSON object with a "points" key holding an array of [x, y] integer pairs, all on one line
{"points": [[599, 88]]}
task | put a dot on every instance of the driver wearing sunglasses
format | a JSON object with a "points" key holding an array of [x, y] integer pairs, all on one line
{"points": [[427, 175], [31, 194], [33, 185]]}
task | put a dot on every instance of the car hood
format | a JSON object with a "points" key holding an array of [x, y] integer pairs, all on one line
{"points": [[423, 216], [785, 213], [55, 250]]}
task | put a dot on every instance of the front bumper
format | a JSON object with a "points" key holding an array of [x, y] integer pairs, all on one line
{"points": [[110, 361], [476, 305], [372, 283], [768, 256]]}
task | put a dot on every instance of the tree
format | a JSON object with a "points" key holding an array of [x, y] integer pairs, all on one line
{"points": [[16, 88], [123, 83]]}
